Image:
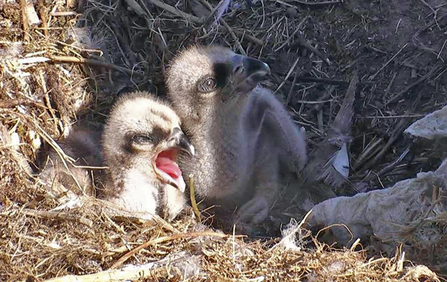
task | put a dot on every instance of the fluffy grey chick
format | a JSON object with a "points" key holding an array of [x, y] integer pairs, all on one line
{"points": [[141, 142], [241, 132]]}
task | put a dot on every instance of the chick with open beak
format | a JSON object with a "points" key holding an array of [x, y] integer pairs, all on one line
{"points": [[165, 164], [142, 141]]}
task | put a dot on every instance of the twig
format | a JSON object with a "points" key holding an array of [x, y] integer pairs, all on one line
{"points": [[329, 81], [369, 151], [285, 4], [24, 19], [224, 23], [249, 37], [236, 40], [289, 95], [192, 196], [428, 25], [388, 88], [165, 239], [75, 60], [394, 163], [431, 8], [63, 14], [43, 17], [314, 102], [175, 11], [387, 117], [304, 43], [314, 4], [17, 102], [409, 87], [442, 49], [129, 274], [136, 7], [47, 101], [387, 63], [216, 13], [297, 29], [323, 99], [401, 126], [59, 215], [292, 68], [98, 51]]}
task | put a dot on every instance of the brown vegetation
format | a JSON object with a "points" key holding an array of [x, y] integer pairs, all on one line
{"points": [[71, 64]]}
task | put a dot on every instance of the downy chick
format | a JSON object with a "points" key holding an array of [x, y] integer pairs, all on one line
{"points": [[241, 132], [140, 144]]}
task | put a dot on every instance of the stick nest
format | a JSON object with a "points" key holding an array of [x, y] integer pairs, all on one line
{"points": [[63, 62]]}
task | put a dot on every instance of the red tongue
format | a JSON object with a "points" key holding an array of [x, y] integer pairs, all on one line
{"points": [[165, 163]]}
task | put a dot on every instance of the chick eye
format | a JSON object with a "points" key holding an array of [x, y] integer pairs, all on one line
{"points": [[207, 85], [142, 139]]}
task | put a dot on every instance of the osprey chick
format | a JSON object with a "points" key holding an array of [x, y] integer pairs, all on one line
{"points": [[141, 143], [241, 132]]}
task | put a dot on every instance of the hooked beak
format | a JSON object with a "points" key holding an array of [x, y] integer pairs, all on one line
{"points": [[248, 72], [165, 163], [178, 139]]}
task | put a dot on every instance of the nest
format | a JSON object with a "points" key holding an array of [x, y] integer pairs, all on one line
{"points": [[64, 63]]}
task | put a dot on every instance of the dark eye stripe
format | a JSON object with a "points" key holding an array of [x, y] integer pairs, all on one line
{"points": [[221, 74], [142, 139], [145, 138]]}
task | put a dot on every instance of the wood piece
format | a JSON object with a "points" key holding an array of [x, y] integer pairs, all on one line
{"points": [[315, 4], [75, 60], [387, 63], [401, 126], [249, 37], [130, 274], [124, 258], [25, 25], [397, 96], [229, 29], [175, 11], [193, 198]]}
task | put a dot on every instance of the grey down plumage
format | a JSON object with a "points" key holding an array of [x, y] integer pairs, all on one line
{"points": [[242, 134]]}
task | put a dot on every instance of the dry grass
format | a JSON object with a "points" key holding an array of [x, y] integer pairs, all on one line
{"points": [[73, 65]]}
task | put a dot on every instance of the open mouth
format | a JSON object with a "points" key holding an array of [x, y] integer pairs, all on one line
{"points": [[168, 169]]}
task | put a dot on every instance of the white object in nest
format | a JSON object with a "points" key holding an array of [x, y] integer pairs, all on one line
{"points": [[31, 15], [341, 161], [34, 139], [15, 140], [430, 126], [388, 214]]}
